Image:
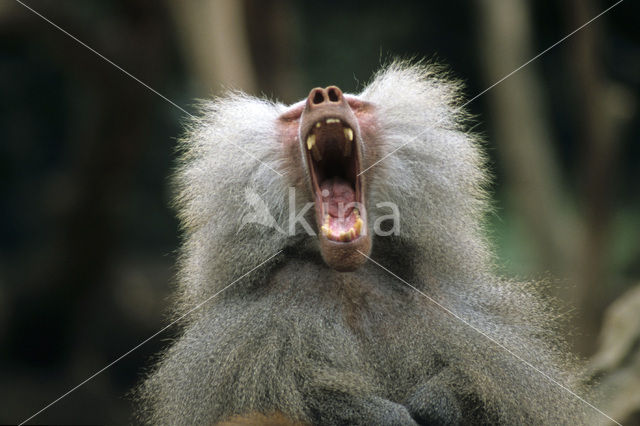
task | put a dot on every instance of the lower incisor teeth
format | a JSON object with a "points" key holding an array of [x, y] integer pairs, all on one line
{"points": [[342, 236]]}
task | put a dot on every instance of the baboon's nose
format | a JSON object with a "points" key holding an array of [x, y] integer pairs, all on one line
{"points": [[321, 97]]}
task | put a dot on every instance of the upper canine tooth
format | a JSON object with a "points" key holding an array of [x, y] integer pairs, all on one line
{"points": [[311, 145], [319, 123], [332, 120], [348, 133], [311, 141]]}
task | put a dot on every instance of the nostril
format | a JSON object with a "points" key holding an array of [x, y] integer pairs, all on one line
{"points": [[335, 94], [318, 97]]}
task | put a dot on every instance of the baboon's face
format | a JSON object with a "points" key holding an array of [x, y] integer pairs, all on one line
{"points": [[331, 133]]}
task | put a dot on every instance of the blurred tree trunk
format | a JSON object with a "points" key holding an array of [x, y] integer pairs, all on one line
{"points": [[615, 367], [271, 37], [63, 313], [522, 133], [574, 247], [596, 120], [215, 41]]}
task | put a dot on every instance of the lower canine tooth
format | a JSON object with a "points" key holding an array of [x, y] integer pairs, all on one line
{"points": [[348, 133], [358, 225]]}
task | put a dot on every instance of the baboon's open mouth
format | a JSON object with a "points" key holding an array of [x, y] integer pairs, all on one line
{"points": [[332, 155], [329, 135]]}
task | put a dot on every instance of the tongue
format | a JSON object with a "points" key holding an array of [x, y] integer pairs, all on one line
{"points": [[339, 196]]}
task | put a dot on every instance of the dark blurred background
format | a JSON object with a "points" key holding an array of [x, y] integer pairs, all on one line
{"points": [[88, 240]]}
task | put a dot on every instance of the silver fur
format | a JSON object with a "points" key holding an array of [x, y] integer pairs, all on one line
{"points": [[323, 346]]}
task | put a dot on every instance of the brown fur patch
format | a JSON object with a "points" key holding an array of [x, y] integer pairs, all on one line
{"points": [[273, 419]]}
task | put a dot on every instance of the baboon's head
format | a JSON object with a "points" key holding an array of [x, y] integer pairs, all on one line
{"points": [[330, 129], [390, 166]]}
